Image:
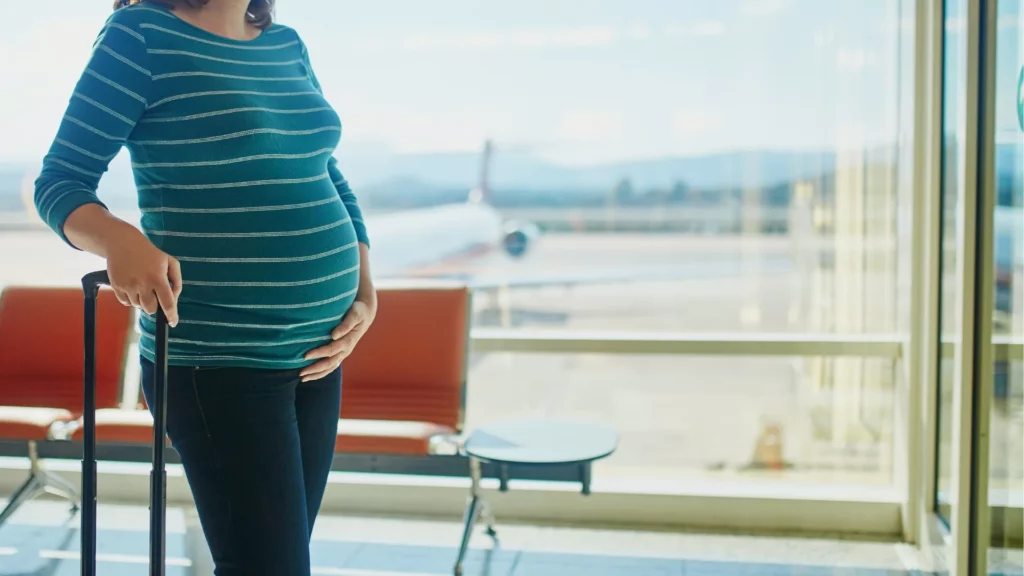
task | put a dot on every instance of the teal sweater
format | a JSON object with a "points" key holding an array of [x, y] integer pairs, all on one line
{"points": [[232, 146]]}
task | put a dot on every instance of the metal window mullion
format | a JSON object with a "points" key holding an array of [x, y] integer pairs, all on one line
{"points": [[921, 365], [982, 382], [967, 264]]}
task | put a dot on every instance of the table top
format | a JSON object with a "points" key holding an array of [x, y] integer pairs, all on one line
{"points": [[541, 441]]}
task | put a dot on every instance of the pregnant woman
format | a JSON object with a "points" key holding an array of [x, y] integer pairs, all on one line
{"points": [[251, 241]]}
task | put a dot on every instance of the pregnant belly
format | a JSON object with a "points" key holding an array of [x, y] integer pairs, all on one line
{"points": [[264, 289]]}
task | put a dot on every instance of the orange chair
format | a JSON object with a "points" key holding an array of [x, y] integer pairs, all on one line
{"points": [[42, 368], [403, 388]]}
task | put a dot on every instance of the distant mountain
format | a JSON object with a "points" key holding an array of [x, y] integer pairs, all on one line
{"points": [[520, 171], [411, 180]]}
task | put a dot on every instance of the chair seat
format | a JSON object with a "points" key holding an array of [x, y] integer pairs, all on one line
{"points": [[387, 436], [355, 436], [118, 426], [18, 423]]}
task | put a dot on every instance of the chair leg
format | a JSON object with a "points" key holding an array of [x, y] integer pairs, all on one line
{"points": [[52, 483], [27, 491], [40, 481], [61, 487]]}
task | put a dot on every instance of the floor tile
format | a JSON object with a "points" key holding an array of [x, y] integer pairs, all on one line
{"points": [[430, 560], [355, 546], [332, 554], [546, 564]]}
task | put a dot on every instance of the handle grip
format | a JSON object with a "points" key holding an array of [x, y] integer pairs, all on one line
{"points": [[92, 281]]}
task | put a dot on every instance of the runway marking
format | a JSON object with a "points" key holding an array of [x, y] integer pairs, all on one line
{"points": [[116, 558], [8, 551]]}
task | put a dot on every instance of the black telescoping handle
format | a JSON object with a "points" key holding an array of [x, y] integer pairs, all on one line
{"points": [[91, 284]]}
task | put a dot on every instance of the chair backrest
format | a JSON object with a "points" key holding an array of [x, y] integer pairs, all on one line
{"points": [[411, 364], [42, 347]]}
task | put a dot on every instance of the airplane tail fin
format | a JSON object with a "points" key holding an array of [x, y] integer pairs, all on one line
{"points": [[482, 192]]}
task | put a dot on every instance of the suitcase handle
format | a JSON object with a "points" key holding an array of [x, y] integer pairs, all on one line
{"points": [[91, 284]]}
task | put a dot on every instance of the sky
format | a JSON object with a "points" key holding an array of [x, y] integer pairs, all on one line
{"points": [[575, 81]]}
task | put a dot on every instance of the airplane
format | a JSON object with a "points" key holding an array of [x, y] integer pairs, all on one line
{"points": [[460, 234]]}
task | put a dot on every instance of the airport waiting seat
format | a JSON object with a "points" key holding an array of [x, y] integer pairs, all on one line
{"points": [[42, 371], [403, 388]]}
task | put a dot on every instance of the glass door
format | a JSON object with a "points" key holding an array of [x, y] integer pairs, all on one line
{"points": [[979, 411], [960, 156], [999, 429]]}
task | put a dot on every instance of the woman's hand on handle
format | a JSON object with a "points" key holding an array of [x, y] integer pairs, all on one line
{"points": [[140, 273], [145, 277]]}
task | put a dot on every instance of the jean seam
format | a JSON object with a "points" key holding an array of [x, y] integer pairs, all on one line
{"points": [[209, 436]]}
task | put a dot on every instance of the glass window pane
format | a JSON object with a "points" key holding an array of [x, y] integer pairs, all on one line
{"points": [[692, 418], [690, 166], [1006, 451]]}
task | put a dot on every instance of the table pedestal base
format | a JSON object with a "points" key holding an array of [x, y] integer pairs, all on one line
{"points": [[477, 509]]}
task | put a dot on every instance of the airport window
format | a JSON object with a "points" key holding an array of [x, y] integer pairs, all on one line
{"points": [[662, 168], [726, 169]]}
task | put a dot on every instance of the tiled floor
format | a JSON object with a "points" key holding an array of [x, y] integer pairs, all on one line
{"points": [[41, 540]]}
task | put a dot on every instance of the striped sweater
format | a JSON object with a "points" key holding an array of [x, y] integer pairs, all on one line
{"points": [[232, 146]]}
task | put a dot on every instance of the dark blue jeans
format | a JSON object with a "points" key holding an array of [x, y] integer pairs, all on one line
{"points": [[256, 446]]}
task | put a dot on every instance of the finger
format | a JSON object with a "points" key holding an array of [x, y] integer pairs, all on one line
{"points": [[133, 297], [123, 298], [174, 275], [343, 345], [149, 302], [325, 365], [347, 325], [316, 376], [165, 294], [322, 373], [322, 352], [328, 350]]}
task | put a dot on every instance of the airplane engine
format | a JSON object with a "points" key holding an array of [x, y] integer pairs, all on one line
{"points": [[519, 238]]}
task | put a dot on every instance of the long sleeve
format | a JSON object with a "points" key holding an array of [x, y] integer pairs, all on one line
{"points": [[349, 199], [344, 191], [109, 98]]}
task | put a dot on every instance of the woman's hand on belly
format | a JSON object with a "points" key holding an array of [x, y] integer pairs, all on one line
{"points": [[356, 322], [345, 337]]}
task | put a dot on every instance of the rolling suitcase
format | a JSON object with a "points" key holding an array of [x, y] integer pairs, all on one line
{"points": [[91, 283]]}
